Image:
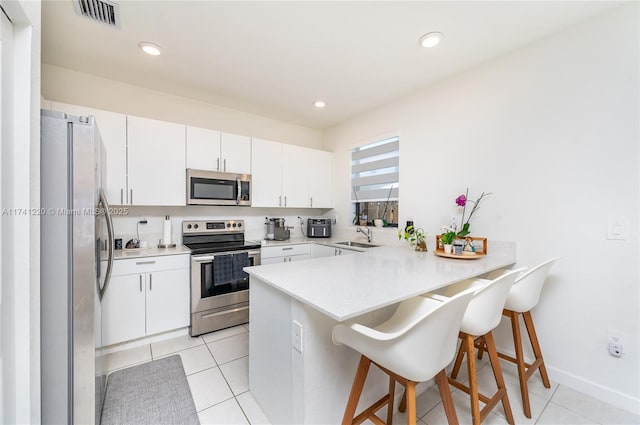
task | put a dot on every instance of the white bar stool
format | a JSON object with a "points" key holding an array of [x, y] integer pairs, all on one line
{"points": [[523, 297], [482, 316], [414, 345]]}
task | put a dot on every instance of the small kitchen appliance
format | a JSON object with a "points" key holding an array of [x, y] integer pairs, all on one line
{"points": [[219, 286], [276, 230], [216, 188], [319, 227]]}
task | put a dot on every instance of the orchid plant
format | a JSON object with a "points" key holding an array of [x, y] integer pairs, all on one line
{"points": [[462, 201]]}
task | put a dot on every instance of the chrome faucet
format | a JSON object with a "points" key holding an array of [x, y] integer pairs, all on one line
{"points": [[367, 232]]}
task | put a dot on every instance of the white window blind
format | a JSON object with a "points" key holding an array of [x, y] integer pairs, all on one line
{"points": [[375, 169]]}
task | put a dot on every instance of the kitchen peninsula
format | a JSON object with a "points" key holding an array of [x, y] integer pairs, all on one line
{"points": [[296, 373]]}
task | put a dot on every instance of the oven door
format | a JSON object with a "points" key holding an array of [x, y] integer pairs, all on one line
{"points": [[215, 188], [217, 280]]}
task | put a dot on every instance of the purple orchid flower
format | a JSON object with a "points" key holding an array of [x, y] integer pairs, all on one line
{"points": [[461, 200]]}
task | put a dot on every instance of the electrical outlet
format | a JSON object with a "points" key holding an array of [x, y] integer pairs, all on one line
{"points": [[615, 343], [296, 336]]}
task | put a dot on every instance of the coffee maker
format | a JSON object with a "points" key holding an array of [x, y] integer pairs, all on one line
{"points": [[275, 230]]}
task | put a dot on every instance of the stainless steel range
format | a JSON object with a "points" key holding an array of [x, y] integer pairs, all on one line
{"points": [[219, 286]]}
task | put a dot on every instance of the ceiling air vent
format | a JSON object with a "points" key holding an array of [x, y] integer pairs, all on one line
{"points": [[104, 11]]}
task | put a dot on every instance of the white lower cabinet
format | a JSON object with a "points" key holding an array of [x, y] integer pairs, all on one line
{"points": [[318, 251], [285, 253], [145, 296]]}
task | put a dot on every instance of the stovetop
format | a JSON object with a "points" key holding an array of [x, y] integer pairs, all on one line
{"points": [[211, 248], [211, 236]]}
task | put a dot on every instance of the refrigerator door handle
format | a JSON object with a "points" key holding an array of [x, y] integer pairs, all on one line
{"points": [[107, 214]]}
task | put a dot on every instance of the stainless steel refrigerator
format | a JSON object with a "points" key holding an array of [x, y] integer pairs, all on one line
{"points": [[76, 257]]}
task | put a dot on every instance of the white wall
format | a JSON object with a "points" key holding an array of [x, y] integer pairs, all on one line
{"points": [[20, 283], [67, 86], [552, 131]]}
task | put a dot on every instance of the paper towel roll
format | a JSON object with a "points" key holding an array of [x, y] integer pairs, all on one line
{"points": [[166, 231]]}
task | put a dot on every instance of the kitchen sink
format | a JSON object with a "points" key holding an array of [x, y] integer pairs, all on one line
{"points": [[357, 244]]}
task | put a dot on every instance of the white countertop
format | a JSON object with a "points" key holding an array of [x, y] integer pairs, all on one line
{"points": [[154, 251], [344, 287]]}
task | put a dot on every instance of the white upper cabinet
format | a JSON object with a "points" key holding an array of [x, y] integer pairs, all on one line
{"points": [[266, 173], [295, 184], [290, 176], [203, 149], [157, 166], [215, 151], [113, 130], [320, 172], [235, 153]]}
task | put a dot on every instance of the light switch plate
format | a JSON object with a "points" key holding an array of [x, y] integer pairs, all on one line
{"points": [[617, 228], [296, 336]]}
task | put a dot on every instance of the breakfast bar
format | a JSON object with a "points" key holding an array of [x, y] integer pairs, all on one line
{"points": [[296, 374]]}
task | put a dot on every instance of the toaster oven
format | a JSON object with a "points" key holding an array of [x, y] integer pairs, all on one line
{"points": [[319, 227]]}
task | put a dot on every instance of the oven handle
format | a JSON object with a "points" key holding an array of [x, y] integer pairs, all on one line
{"points": [[203, 259], [235, 310], [206, 258]]}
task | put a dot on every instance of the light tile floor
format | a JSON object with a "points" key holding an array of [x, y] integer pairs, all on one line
{"points": [[217, 368]]}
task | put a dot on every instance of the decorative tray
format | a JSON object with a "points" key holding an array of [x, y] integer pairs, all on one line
{"points": [[479, 246], [463, 256]]}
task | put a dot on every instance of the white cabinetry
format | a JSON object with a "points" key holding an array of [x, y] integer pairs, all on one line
{"points": [[145, 296], [156, 166], [266, 174], [215, 151], [113, 130], [290, 176], [285, 253], [318, 251]]}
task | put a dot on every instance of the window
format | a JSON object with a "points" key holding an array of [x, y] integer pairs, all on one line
{"points": [[375, 168]]}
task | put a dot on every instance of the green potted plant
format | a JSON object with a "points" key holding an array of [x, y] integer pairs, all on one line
{"points": [[415, 236], [447, 240]]}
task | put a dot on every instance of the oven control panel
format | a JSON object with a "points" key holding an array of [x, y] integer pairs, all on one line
{"points": [[212, 226]]}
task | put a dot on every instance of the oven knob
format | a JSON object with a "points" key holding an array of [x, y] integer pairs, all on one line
{"points": [[228, 224], [239, 224], [234, 224], [195, 226], [188, 226]]}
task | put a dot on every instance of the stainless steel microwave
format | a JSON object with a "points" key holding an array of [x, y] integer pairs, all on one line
{"points": [[215, 188]]}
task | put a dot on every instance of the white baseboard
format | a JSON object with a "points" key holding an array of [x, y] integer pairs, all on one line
{"points": [[595, 390], [590, 388], [144, 340]]}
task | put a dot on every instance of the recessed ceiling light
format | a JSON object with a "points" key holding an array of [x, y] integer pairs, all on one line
{"points": [[430, 39], [149, 48], [319, 104]]}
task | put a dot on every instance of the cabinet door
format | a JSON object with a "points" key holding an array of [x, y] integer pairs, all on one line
{"points": [[266, 173], [156, 164], [203, 149], [272, 260], [320, 169], [113, 130], [123, 309], [235, 153], [318, 251], [295, 176], [167, 300]]}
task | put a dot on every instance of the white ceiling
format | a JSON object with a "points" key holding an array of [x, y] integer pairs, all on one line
{"points": [[276, 58]]}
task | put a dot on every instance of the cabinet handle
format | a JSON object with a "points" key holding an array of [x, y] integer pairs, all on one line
{"points": [[311, 201], [150, 282], [121, 196], [285, 201], [339, 252], [139, 263], [218, 164], [288, 248], [280, 200], [224, 166], [131, 197], [140, 283]]}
